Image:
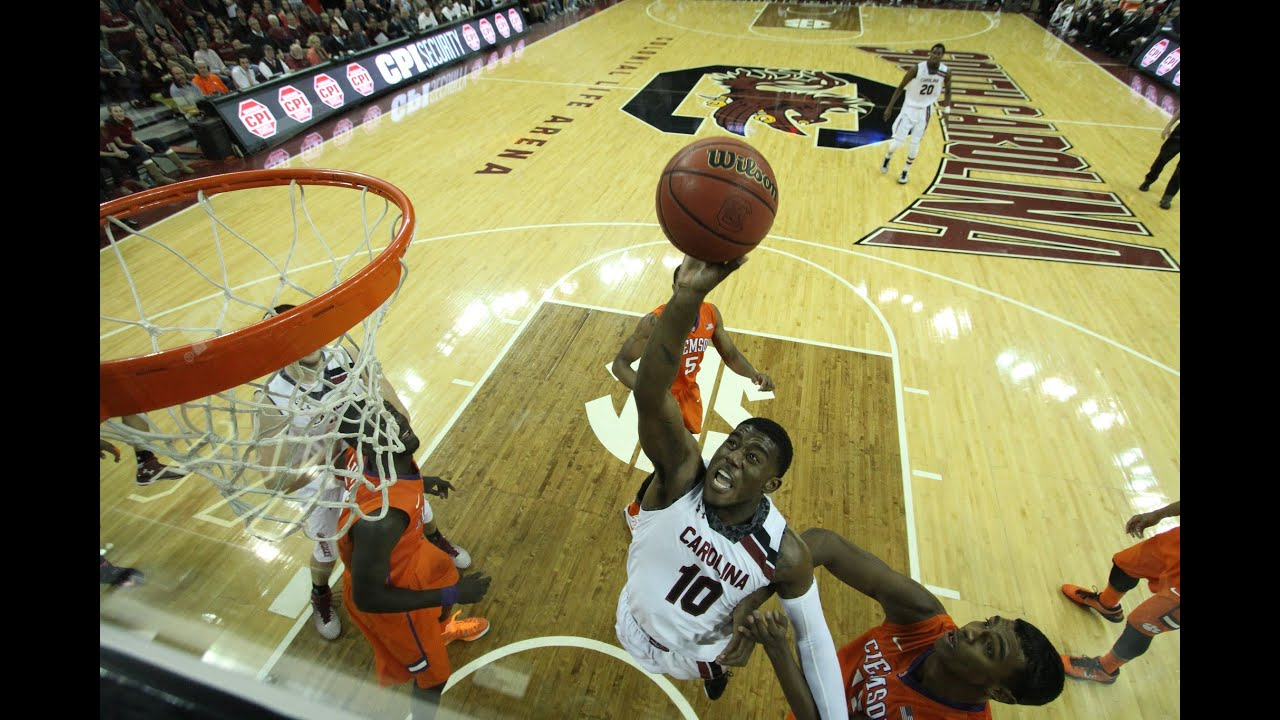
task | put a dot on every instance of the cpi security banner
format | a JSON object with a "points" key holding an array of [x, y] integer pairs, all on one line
{"points": [[268, 114]]}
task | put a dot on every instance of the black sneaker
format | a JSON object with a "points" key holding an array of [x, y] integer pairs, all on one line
{"points": [[152, 470], [1166, 202], [715, 686], [1144, 186], [119, 576]]}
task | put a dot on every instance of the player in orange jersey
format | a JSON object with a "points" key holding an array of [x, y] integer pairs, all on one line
{"points": [[708, 329], [918, 663], [1157, 559], [399, 588]]}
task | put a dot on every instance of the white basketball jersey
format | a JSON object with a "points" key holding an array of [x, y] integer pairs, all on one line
{"points": [[684, 578], [924, 89], [302, 400]]}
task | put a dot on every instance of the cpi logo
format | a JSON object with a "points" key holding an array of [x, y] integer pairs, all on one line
{"points": [[1155, 52], [257, 118], [487, 31], [295, 104], [516, 22], [277, 158], [360, 79], [1169, 62], [501, 22], [372, 117], [329, 91], [469, 34], [1177, 79]]}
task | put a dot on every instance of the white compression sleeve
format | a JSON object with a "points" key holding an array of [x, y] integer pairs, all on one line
{"points": [[817, 653]]}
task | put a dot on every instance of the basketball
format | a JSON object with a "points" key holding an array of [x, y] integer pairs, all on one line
{"points": [[717, 199]]}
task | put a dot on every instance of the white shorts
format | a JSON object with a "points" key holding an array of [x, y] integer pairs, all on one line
{"points": [[911, 121], [650, 655], [323, 521]]}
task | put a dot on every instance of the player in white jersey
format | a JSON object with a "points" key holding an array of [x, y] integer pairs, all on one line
{"points": [[298, 391], [708, 535], [923, 84]]}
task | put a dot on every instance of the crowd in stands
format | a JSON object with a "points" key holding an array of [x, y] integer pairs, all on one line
{"points": [[177, 52], [1119, 29]]}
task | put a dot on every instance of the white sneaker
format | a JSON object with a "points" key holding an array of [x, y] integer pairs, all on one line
{"points": [[884, 166], [461, 558], [902, 179], [326, 620]]}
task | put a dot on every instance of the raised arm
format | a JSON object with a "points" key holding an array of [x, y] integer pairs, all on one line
{"points": [[733, 357], [903, 600], [631, 350], [798, 592], [663, 437]]}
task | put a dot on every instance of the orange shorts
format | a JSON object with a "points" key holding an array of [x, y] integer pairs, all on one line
{"points": [[1157, 559], [689, 397], [406, 646]]}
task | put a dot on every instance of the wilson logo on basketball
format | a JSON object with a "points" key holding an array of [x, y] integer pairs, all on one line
{"points": [[746, 167], [257, 119], [295, 104], [360, 79], [835, 107], [329, 91]]}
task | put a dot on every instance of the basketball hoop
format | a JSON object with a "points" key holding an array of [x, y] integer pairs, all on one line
{"points": [[189, 335]]}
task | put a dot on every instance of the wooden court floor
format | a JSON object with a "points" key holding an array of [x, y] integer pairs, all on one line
{"points": [[980, 368]]}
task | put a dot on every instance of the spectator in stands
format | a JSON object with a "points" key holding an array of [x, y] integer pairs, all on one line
{"points": [[162, 36], [1171, 22], [271, 65], [452, 10], [117, 82], [171, 56], [148, 16], [281, 36], [398, 25], [120, 130], [1060, 22], [479, 6], [537, 9], [335, 43], [155, 75], [191, 31], [297, 59], [176, 12], [1104, 20], [211, 85], [426, 16], [294, 26], [244, 74], [115, 26], [351, 15], [222, 46], [184, 93], [256, 38], [207, 56], [357, 39], [114, 160], [316, 54], [311, 22], [1121, 41]]}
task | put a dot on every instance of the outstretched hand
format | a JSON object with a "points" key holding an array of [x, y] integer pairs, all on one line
{"points": [[768, 628], [763, 381], [738, 651], [472, 588], [703, 276], [439, 487], [1140, 522]]}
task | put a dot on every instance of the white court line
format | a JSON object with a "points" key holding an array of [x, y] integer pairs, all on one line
{"points": [[944, 592], [569, 84], [463, 383], [739, 331], [686, 710], [1103, 70], [1100, 124], [511, 321], [916, 391], [998, 296], [923, 474]]}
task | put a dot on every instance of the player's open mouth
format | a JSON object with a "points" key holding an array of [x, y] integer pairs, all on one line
{"points": [[721, 481]]}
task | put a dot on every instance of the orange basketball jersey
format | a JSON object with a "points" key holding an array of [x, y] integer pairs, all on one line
{"points": [[695, 345], [877, 669], [416, 564]]}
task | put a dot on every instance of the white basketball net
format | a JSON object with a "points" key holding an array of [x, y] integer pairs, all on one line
{"points": [[268, 446]]}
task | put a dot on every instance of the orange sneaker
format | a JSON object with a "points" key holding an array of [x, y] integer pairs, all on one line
{"points": [[466, 629], [1090, 599], [1088, 668], [631, 514]]}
